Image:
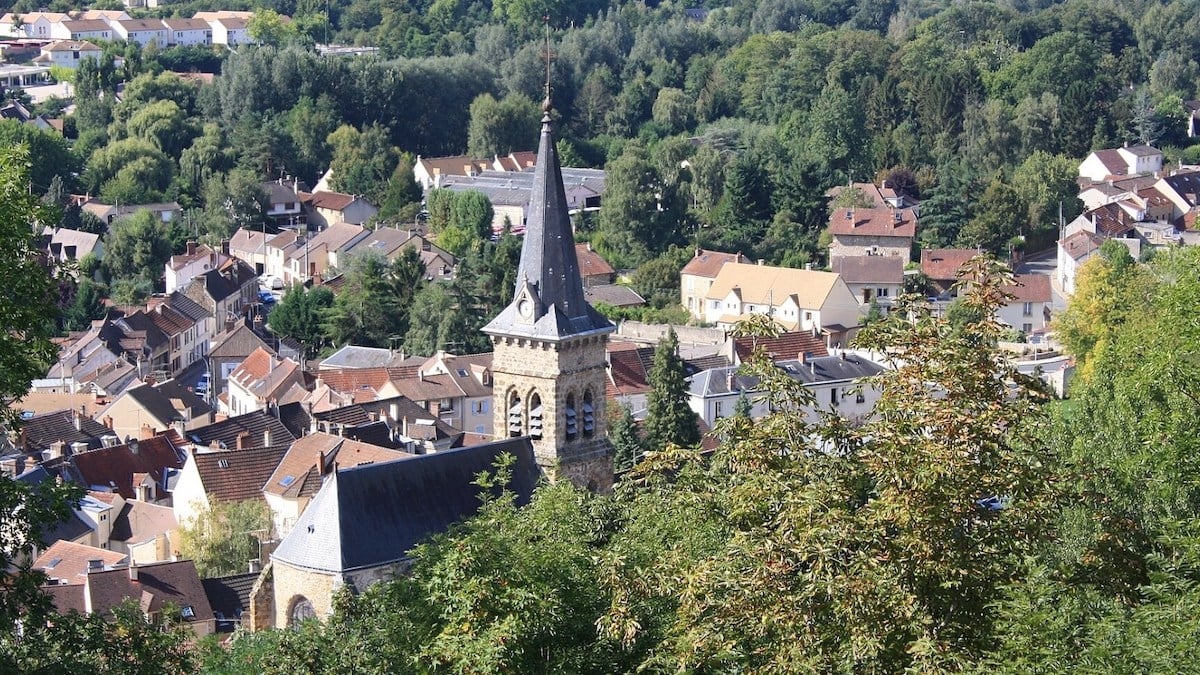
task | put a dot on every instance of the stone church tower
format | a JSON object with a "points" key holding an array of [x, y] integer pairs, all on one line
{"points": [[548, 369]]}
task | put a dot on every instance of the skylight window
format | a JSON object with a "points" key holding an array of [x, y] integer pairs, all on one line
{"points": [[188, 612], [223, 463], [287, 481]]}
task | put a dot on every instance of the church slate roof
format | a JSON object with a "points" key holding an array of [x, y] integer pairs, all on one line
{"points": [[372, 515], [549, 266]]}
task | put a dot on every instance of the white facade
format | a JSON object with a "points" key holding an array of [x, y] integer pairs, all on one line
{"points": [[189, 498]]}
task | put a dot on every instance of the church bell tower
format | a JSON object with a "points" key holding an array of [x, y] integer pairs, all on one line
{"points": [[548, 367]]}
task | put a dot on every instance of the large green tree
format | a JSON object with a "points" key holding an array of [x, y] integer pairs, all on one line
{"points": [[669, 420], [223, 538], [300, 315], [136, 245]]}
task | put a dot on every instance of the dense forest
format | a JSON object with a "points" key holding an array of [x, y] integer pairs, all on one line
{"points": [[876, 553]]}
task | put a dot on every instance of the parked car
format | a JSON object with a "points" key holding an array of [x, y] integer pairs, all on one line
{"points": [[266, 297], [202, 385], [271, 282]]}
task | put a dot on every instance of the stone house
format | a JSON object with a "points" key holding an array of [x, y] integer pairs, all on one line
{"points": [[863, 232]]}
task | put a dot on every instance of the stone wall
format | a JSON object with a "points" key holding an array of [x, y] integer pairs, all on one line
{"points": [[262, 602], [292, 583], [651, 333]]}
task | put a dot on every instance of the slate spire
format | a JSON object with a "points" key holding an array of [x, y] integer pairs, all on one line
{"points": [[548, 300]]}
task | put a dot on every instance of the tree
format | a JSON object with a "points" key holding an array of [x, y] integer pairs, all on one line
{"points": [[27, 303], [269, 28], [997, 220], [85, 307], [373, 307], [669, 420], [501, 127], [632, 229], [362, 161], [137, 245], [623, 435], [300, 315], [223, 538], [435, 322], [403, 196], [1110, 290]]}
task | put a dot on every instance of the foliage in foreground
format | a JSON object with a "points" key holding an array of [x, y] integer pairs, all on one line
{"points": [[795, 547]]}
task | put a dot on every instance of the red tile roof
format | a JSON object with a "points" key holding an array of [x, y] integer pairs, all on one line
{"points": [[873, 222], [1030, 288], [333, 201], [942, 264], [114, 467], [786, 346], [708, 263], [67, 561], [590, 262]]}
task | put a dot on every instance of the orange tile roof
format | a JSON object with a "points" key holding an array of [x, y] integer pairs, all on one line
{"points": [[873, 222], [942, 264], [708, 263]]}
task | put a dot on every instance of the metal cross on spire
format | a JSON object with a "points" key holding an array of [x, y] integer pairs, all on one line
{"points": [[549, 54]]}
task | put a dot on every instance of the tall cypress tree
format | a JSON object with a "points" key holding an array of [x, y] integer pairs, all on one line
{"points": [[668, 417]]}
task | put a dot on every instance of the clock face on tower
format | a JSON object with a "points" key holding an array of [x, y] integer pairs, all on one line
{"points": [[525, 308]]}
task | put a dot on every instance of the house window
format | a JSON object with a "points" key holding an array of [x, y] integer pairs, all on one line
{"points": [[717, 410], [1027, 309], [1027, 328], [881, 292], [479, 407], [860, 397], [808, 316], [833, 397]]}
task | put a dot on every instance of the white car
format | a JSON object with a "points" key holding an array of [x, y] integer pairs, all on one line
{"points": [[271, 282]]}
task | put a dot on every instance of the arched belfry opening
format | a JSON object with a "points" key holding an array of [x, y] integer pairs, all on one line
{"points": [[515, 415]]}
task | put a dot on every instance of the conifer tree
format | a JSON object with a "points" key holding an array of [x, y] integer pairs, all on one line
{"points": [[668, 417], [623, 435]]}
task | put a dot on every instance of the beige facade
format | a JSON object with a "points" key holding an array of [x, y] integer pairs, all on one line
{"points": [[548, 382]]}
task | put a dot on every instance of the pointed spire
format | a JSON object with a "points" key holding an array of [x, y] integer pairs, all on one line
{"points": [[549, 268]]}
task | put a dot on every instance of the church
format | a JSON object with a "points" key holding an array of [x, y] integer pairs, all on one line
{"points": [[548, 374]]}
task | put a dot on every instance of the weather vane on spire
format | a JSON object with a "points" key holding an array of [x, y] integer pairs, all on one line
{"points": [[549, 57]]}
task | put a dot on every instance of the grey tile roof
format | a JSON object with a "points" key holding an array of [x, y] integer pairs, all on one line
{"points": [[229, 597], [225, 433], [374, 514], [817, 370]]}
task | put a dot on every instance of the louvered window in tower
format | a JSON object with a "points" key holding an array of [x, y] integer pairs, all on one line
{"points": [[514, 417], [535, 417], [572, 422], [589, 416]]}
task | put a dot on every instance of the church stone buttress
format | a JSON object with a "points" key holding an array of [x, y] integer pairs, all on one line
{"points": [[548, 368]]}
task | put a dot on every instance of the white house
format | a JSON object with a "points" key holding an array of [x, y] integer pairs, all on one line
{"points": [[68, 53], [141, 31], [230, 31], [1130, 160], [871, 278], [797, 299], [188, 32], [836, 381], [1029, 309], [196, 260], [1073, 251], [87, 29], [697, 276]]}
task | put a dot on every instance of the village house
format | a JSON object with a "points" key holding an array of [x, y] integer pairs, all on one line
{"points": [[188, 32], [107, 213], [940, 267], [322, 251], [871, 232], [231, 31], [285, 206], [226, 292], [263, 378], [70, 246], [82, 29], [325, 209], [1130, 160], [194, 261], [871, 278], [697, 276], [141, 31], [68, 53], [250, 247], [1029, 309], [67, 562], [139, 468], [154, 587], [1073, 251], [391, 242], [472, 374], [593, 269], [234, 475], [796, 299], [150, 409], [837, 382]]}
